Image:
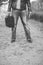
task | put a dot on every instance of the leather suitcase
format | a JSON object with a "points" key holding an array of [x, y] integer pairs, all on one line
{"points": [[9, 21]]}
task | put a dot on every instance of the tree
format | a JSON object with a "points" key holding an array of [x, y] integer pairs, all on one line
{"points": [[3, 0]]}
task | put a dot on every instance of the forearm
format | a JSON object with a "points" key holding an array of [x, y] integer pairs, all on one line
{"points": [[29, 5]]}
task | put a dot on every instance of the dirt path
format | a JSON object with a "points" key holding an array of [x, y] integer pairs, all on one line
{"points": [[21, 52]]}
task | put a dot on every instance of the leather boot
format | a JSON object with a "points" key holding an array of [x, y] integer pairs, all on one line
{"points": [[13, 36]]}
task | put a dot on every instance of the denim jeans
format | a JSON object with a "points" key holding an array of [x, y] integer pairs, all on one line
{"points": [[22, 15]]}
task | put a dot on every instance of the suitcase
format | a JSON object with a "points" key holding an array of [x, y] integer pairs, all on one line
{"points": [[9, 21]]}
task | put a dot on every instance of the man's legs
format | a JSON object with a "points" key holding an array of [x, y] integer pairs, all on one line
{"points": [[26, 28], [15, 14]]}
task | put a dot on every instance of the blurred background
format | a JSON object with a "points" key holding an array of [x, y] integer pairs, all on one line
{"points": [[36, 9], [36, 5]]}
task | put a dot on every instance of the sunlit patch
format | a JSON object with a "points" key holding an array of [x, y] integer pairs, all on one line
{"points": [[32, 0], [4, 7]]}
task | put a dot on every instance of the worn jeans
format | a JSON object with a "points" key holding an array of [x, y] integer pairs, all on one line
{"points": [[22, 15]]}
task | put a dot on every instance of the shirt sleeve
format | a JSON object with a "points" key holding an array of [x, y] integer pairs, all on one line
{"points": [[9, 5]]}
